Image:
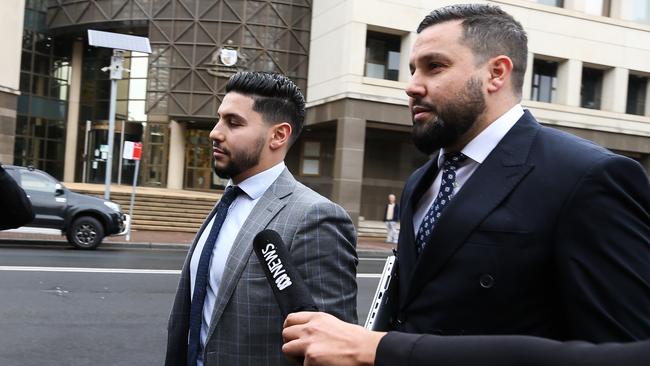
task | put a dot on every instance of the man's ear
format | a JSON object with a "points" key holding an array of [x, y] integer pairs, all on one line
{"points": [[500, 68], [280, 135]]}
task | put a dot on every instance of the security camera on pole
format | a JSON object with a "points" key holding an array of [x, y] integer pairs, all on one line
{"points": [[119, 43]]}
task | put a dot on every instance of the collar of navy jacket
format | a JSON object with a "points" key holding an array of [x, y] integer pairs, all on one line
{"points": [[492, 181]]}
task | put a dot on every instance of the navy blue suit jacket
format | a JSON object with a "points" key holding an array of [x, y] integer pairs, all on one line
{"points": [[549, 237], [423, 350]]}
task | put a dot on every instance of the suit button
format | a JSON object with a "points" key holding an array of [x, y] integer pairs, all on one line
{"points": [[486, 281]]}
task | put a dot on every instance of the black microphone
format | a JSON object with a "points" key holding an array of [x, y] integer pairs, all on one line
{"points": [[289, 288]]}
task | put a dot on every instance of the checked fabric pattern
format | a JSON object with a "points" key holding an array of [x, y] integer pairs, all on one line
{"points": [[451, 163], [200, 289]]}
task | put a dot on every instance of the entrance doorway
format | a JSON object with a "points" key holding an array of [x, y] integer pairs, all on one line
{"points": [[198, 160], [96, 151]]}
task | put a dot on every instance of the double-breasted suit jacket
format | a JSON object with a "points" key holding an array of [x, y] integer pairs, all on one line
{"points": [[246, 325], [550, 237]]}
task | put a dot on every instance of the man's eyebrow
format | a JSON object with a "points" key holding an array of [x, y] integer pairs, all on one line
{"points": [[433, 56], [229, 115]]}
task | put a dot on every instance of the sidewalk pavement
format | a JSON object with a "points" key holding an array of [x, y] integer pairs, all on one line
{"points": [[166, 240]]}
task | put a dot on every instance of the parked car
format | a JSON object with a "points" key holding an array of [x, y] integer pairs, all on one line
{"points": [[85, 220]]}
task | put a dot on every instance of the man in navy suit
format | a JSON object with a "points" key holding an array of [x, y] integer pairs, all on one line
{"points": [[512, 227]]}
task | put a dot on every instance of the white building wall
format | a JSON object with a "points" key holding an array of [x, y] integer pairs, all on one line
{"points": [[11, 28]]}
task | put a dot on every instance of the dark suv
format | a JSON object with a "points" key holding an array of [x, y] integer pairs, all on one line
{"points": [[84, 219]]}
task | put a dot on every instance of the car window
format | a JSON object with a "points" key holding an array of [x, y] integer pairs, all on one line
{"points": [[13, 174], [37, 182]]}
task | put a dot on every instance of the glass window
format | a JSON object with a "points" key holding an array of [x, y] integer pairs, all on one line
{"points": [[557, 3], [137, 88], [636, 11], [44, 80], [591, 89], [597, 7], [139, 66], [637, 87], [544, 81], [310, 158], [382, 55], [37, 182]]}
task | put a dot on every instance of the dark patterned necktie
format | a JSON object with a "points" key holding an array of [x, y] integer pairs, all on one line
{"points": [[201, 281], [451, 163]]}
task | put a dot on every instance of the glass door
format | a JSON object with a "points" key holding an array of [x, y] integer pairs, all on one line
{"points": [[96, 152], [198, 162]]}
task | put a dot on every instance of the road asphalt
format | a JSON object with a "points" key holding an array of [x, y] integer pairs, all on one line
{"points": [[163, 240]]}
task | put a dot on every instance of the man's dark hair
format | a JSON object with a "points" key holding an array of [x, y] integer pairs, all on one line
{"points": [[488, 31], [275, 97]]}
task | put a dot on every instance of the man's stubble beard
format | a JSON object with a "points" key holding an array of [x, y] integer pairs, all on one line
{"points": [[240, 161], [450, 121]]}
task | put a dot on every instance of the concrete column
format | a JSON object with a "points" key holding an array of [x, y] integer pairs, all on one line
{"points": [[614, 94], [574, 5], [616, 9], [569, 79], [526, 89], [72, 124], [176, 167], [348, 165]]}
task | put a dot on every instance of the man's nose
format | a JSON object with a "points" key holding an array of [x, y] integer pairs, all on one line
{"points": [[415, 88], [216, 134]]}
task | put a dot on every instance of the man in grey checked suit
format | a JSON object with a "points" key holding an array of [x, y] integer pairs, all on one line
{"points": [[259, 118]]}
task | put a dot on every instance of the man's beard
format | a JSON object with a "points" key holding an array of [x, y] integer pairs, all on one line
{"points": [[240, 160], [450, 121]]}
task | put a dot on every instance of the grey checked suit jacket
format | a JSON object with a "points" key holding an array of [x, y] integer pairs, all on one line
{"points": [[246, 326]]}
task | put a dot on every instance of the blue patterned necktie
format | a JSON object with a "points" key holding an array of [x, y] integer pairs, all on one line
{"points": [[200, 284], [451, 163]]}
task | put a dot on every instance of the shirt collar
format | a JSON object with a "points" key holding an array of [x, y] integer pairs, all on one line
{"points": [[255, 186], [482, 145]]}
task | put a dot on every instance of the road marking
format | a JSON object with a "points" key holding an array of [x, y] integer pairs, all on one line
{"points": [[89, 270], [120, 270]]}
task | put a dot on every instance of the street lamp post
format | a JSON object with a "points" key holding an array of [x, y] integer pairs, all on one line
{"points": [[116, 68], [119, 43]]}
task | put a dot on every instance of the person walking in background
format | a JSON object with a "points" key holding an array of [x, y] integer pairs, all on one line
{"points": [[224, 312], [15, 207], [391, 218]]}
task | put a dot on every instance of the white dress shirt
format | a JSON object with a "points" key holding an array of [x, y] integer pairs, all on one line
{"points": [[253, 187], [476, 151]]}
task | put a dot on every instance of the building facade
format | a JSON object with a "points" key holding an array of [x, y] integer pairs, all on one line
{"points": [[588, 69]]}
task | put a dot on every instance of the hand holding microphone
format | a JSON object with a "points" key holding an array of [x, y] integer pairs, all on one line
{"points": [[289, 289]]}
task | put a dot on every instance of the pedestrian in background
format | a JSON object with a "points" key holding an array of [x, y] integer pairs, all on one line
{"points": [[391, 218]]}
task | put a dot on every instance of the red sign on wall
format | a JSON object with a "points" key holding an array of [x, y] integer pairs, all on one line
{"points": [[132, 150]]}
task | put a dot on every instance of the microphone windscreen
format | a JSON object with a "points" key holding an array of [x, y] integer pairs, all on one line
{"points": [[289, 288]]}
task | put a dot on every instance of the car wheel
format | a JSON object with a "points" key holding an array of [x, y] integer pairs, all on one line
{"points": [[85, 233]]}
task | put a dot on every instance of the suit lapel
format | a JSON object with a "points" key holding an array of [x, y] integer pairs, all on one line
{"points": [[499, 174], [406, 252], [273, 200]]}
